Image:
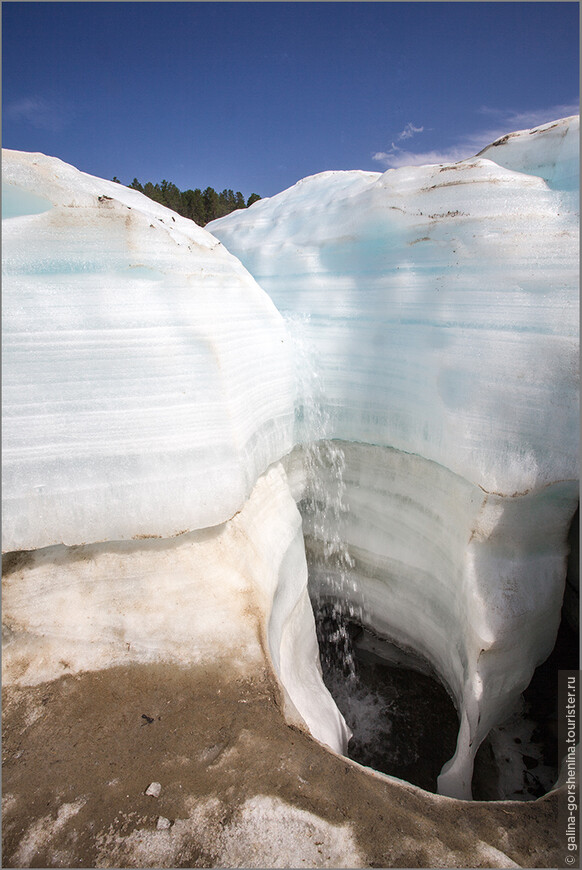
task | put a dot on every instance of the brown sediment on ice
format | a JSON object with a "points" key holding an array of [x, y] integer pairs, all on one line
{"points": [[239, 786]]}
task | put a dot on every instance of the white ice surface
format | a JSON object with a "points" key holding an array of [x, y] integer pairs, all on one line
{"points": [[146, 377], [442, 306], [551, 151], [147, 384], [265, 831]]}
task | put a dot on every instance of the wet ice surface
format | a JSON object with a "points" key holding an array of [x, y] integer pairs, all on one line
{"points": [[519, 759], [403, 722]]}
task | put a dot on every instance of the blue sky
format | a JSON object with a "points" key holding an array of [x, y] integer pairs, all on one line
{"points": [[255, 96]]}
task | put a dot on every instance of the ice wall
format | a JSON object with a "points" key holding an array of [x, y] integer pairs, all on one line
{"points": [[551, 152], [146, 376], [443, 309], [440, 306], [470, 581], [214, 596]]}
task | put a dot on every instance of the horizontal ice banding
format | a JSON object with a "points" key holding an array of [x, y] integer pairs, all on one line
{"points": [[440, 306], [147, 379], [472, 582]]}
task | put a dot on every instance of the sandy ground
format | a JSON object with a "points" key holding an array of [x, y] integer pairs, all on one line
{"points": [[239, 786]]}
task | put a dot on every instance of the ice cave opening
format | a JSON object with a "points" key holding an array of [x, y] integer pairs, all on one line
{"points": [[402, 719], [402, 715]]}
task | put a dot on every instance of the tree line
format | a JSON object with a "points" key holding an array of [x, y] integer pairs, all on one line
{"points": [[200, 206]]}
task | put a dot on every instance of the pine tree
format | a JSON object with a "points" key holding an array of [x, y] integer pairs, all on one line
{"points": [[193, 206], [153, 191], [171, 196], [211, 204]]}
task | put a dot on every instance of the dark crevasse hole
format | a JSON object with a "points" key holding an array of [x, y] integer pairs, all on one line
{"points": [[403, 721], [405, 724], [520, 758]]}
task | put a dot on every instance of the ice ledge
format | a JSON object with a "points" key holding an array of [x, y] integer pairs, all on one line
{"points": [[235, 593], [550, 151]]}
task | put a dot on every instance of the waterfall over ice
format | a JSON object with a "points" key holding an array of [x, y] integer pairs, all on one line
{"points": [[157, 436], [442, 306]]}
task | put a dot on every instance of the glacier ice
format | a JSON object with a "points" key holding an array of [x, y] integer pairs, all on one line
{"points": [[220, 594], [146, 378], [551, 152], [440, 308], [423, 322], [470, 581], [442, 305]]}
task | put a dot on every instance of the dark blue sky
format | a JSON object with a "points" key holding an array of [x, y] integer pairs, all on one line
{"points": [[254, 96]]}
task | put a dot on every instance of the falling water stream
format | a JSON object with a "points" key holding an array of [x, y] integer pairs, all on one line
{"points": [[323, 508], [394, 713]]}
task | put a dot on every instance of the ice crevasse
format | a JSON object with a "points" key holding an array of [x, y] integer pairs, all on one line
{"points": [[439, 305], [157, 378]]}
